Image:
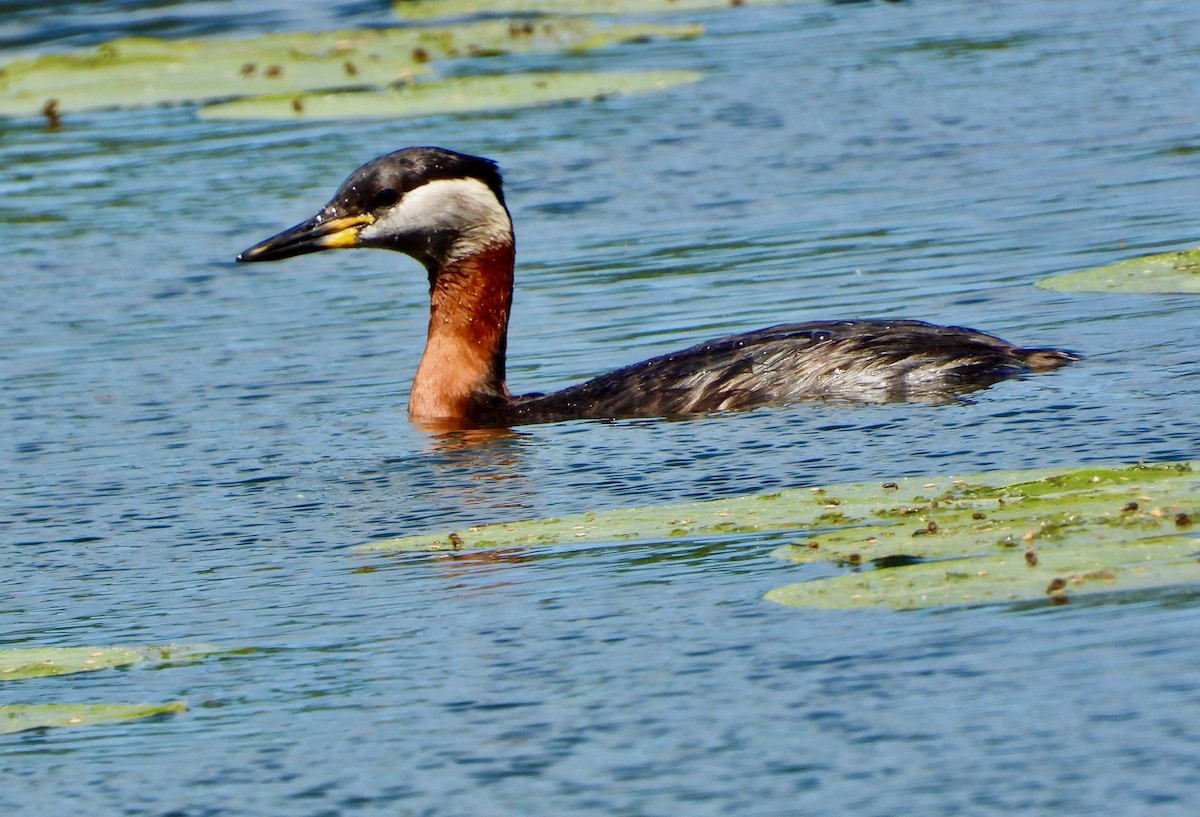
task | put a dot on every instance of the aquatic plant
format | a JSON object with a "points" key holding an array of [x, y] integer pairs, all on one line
{"points": [[136, 71], [23, 717], [38, 662], [484, 92], [444, 9], [923, 542], [1160, 273]]}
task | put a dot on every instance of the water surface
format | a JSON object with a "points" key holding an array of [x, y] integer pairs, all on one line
{"points": [[191, 448]]}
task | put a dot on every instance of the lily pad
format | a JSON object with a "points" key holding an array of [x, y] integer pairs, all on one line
{"points": [[21, 717], [37, 662], [816, 509], [457, 95], [1160, 273], [133, 72], [430, 9]]}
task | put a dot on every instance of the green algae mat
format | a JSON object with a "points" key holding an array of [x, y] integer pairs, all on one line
{"points": [[430, 9], [924, 542], [1167, 272], [23, 717], [134, 72], [39, 662], [505, 92]]}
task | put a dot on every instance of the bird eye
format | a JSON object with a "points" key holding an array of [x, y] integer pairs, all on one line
{"points": [[384, 198]]}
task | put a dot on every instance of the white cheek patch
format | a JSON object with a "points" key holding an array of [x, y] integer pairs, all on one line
{"points": [[467, 207]]}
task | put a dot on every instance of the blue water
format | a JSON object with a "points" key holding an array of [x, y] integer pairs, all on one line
{"points": [[191, 448]]}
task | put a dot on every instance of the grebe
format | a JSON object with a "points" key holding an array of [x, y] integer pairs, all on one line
{"points": [[447, 211]]}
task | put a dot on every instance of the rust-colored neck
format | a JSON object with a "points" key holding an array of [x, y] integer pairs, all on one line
{"points": [[461, 375]]}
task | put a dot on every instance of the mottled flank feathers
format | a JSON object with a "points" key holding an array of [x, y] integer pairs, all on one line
{"points": [[855, 361]]}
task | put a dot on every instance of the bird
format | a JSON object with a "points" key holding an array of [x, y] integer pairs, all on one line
{"points": [[447, 211]]}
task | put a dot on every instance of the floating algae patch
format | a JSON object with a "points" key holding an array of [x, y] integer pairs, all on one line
{"points": [[22, 717], [1067, 510], [919, 542], [1077, 532], [457, 95], [786, 510], [133, 72], [1161, 273], [826, 511], [1055, 574], [38, 662], [429, 9]]}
